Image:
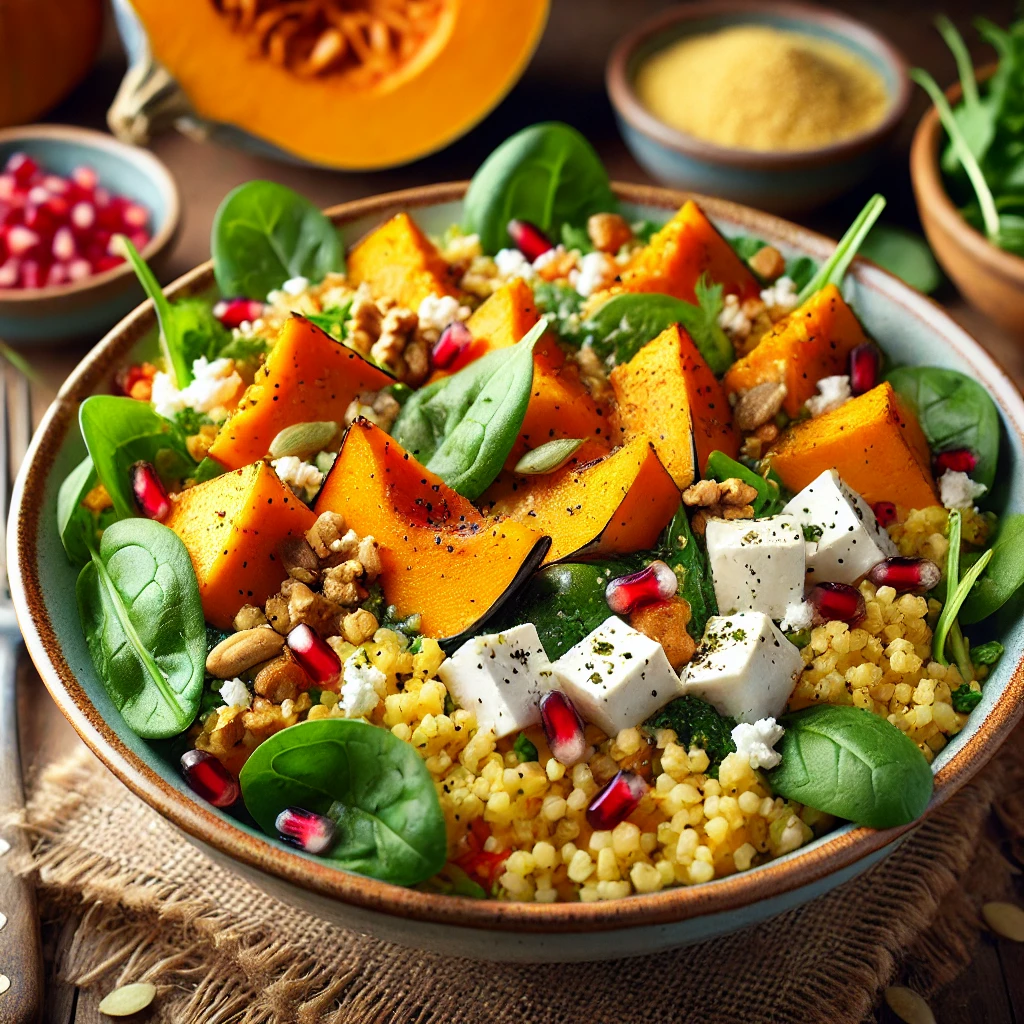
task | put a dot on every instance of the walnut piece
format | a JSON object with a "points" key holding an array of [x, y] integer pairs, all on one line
{"points": [[376, 406], [729, 499], [359, 626], [248, 617], [340, 583], [306, 607], [280, 679], [326, 532], [399, 349], [365, 318]]}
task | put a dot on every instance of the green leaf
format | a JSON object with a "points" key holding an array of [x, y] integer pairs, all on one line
{"points": [[957, 590], [524, 749], [333, 321], [853, 764], [685, 556], [547, 174], [905, 254], [1005, 575], [143, 620], [560, 305], [264, 234], [374, 785], [208, 469], [964, 699], [987, 654], [769, 500], [576, 237], [549, 457], [77, 526]]}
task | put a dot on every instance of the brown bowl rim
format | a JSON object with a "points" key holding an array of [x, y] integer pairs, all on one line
{"points": [[133, 155], [625, 101], [200, 821]]}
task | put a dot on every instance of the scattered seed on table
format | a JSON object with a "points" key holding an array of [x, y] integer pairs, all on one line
{"points": [[5, 983], [908, 1005], [1005, 919], [128, 999]]}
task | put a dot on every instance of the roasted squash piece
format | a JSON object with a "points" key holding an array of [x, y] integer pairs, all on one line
{"points": [[399, 262], [684, 249], [667, 393], [439, 556], [232, 526], [613, 506], [873, 442], [308, 376], [814, 341]]}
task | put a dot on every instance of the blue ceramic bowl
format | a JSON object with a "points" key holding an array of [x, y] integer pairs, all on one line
{"points": [[90, 307], [784, 181]]}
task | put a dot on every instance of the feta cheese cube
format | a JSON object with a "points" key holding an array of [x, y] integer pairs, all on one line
{"points": [[744, 667], [500, 678], [844, 540], [616, 676], [756, 564]]}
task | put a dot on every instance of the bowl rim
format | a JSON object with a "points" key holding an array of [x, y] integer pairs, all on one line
{"points": [[624, 98], [142, 160], [203, 824]]}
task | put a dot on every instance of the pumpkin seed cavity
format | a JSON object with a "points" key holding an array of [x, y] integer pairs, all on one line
{"points": [[128, 999]]}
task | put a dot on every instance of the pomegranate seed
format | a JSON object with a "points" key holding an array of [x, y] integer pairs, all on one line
{"points": [[56, 184], [32, 274], [79, 270], [865, 362], [235, 312], [135, 216], [58, 275], [315, 655], [563, 728], [454, 340], [104, 263], [21, 240], [885, 513], [8, 186], [140, 239], [657, 582], [10, 271], [63, 244], [904, 574], [37, 195], [960, 460], [836, 601], [84, 178], [83, 215], [529, 239], [101, 197], [309, 831], [616, 802], [22, 167], [150, 493], [206, 776]]}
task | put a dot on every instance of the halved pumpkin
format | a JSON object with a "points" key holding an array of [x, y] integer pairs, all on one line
{"points": [[668, 394], [232, 526], [308, 377], [359, 85], [615, 505], [439, 556]]}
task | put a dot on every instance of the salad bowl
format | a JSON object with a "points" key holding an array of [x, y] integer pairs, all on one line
{"points": [[912, 329]]}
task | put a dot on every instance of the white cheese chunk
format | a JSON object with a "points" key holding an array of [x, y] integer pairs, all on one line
{"points": [[617, 677], [958, 490], [844, 540], [756, 743], [500, 678], [235, 693], [363, 685], [757, 564], [744, 667]]}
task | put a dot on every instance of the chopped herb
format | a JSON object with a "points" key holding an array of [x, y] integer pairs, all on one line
{"points": [[987, 654], [524, 749], [965, 700], [812, 532]]}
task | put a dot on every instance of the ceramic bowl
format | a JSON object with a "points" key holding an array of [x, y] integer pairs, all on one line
{"points": [[783, 182], [990, 279], [913, 330], [90, 307]]}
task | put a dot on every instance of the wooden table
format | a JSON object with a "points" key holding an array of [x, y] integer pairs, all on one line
{"points": [[565, 81]]}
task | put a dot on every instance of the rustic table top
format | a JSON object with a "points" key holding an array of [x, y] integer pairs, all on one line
{"points": [[565, 81]]}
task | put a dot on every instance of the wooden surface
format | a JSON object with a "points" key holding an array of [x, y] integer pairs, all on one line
{"points": [[565, 81]]}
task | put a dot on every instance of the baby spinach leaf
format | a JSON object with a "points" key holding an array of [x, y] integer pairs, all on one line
{"points": [[374, 785], [954, 411], [264, 233], [686, 557], [547, 174], [143, 620], [1005, 575], [208, 469], [121, 431], [853, 764], [799, 269], [463, 427], [905, 254], [77, 525]]}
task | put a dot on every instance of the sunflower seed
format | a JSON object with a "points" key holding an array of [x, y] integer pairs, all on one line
{"points": [[908, 1005], [128, 999], [1005, 919]]}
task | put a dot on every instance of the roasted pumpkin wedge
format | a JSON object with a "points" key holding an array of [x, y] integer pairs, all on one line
{"points": [[439, 556], [308, 377], [668, 394], [348, 85], [232, 526], [814, 341], [684, 249], [615, 505], [874, 443]]}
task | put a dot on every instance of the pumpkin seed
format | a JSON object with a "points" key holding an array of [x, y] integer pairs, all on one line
{"points": [[1005, 919], [908, 1005], [549, 457], [128, 999], [303, 439]]}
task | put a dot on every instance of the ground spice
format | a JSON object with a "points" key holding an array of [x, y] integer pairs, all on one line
{"points": [[754, 87]]}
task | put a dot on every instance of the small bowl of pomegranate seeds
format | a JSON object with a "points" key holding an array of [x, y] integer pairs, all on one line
{"points": [[65, 193]]}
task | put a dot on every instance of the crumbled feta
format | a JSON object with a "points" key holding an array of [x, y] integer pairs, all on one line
{"points": [[235, 694], [512, 263], [302, 477], [597, 271], [295, 285], [552, 254], [958, 490], [781, 297], [213, 385], [733, 320], [436, 312], [757, 742], [362, 685], [832, 393], [798, 616]]}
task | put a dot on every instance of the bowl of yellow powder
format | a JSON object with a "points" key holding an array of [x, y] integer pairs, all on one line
{"points": [[781, 106]]}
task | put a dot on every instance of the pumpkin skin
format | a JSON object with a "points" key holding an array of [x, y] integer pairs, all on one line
{"points": [[439, 556], [46, 48], [474, 56]]}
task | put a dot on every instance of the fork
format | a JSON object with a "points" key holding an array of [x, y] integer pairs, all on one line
{"points": [[21, 961]]}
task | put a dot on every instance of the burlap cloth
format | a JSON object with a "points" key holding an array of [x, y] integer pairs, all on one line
{"points": [[151, 907]]}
